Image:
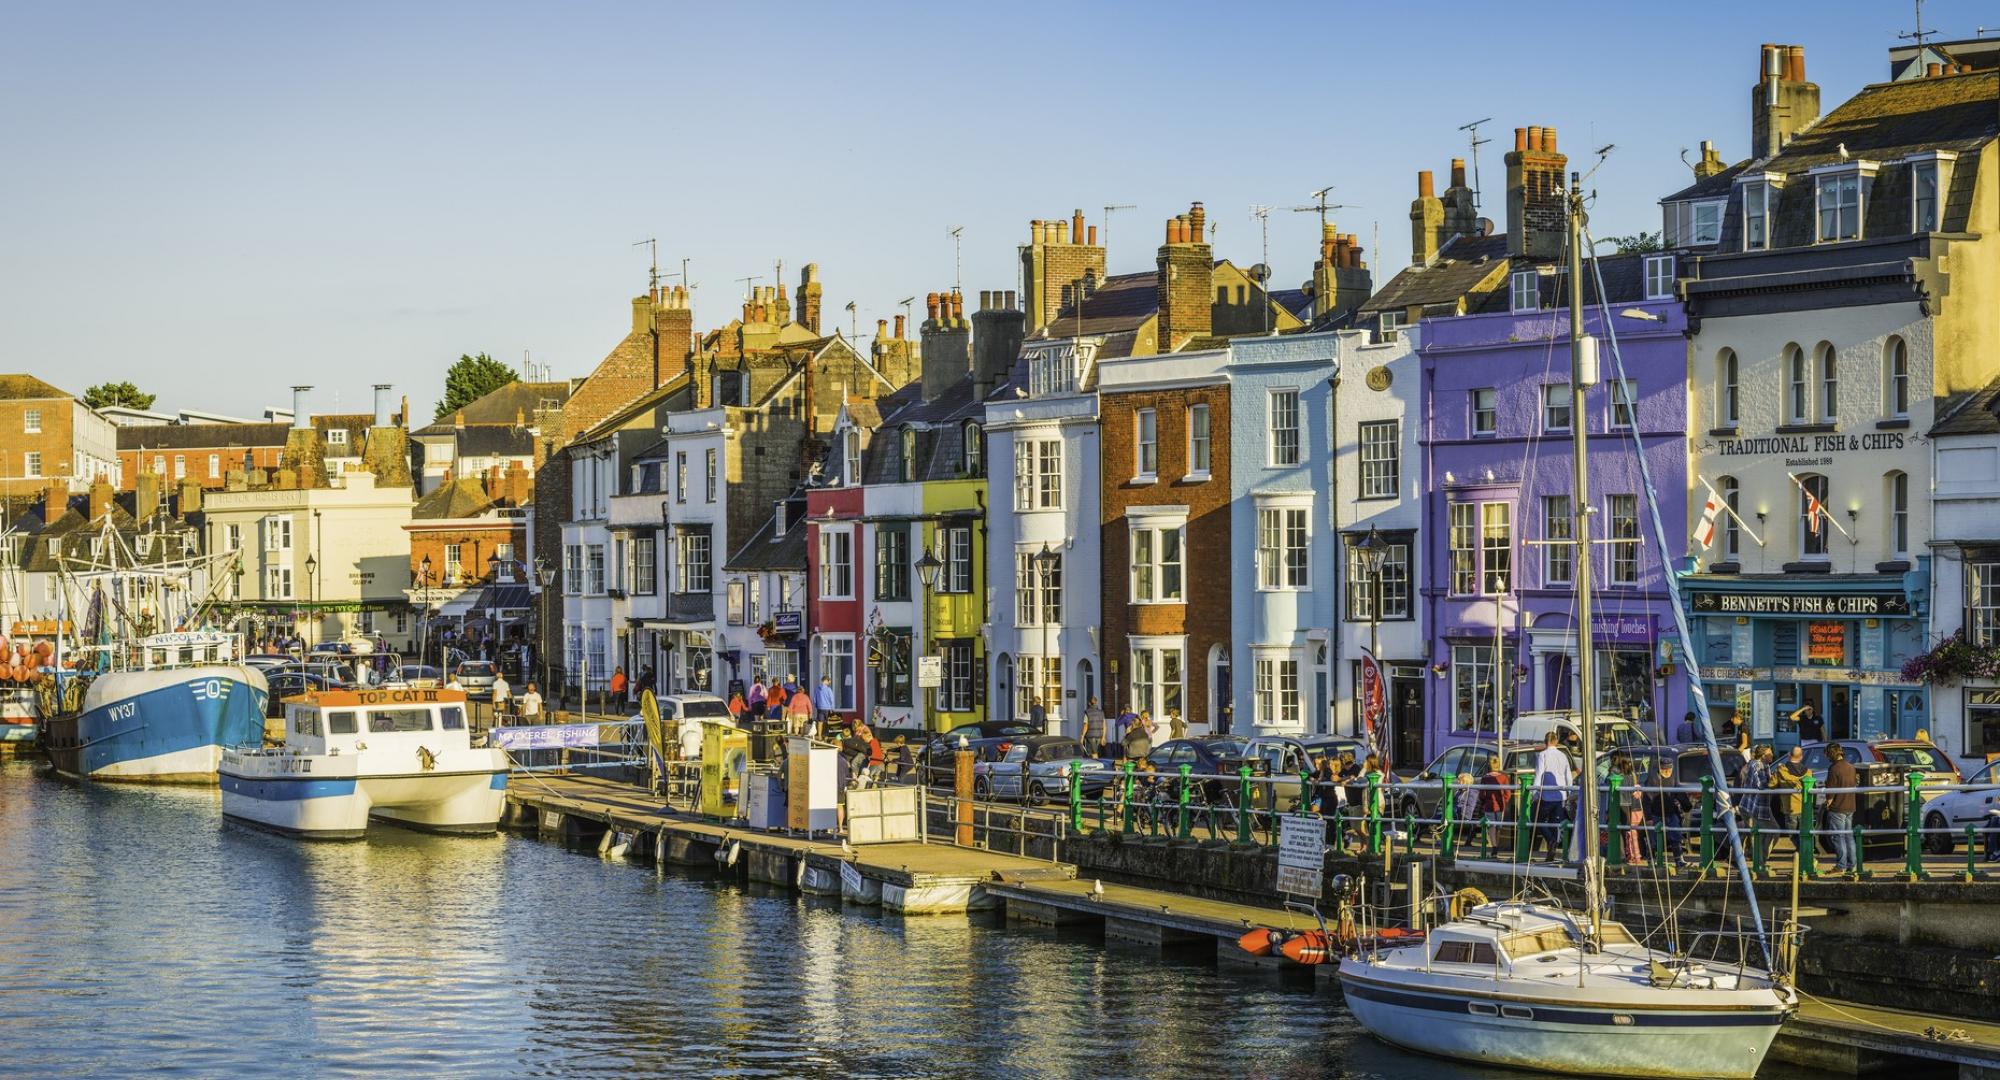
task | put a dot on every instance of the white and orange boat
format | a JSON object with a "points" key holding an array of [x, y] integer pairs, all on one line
{"points": [[400, 756]]}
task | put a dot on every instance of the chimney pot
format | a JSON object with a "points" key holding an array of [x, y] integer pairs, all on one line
{"points": [[931, 301], [1932, 71], [1062, 232], [1458, 172], [1795, 63], [1768, 65], [1425, 186], [1534, 137], [1549, 139], [1520, 138], [899, 328], [299, 418], [1010, 300], [1093, 236], [986, 299], [1076, 227], [881, 329], [1197, 219]]}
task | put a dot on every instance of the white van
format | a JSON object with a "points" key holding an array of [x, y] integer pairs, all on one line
{"points": [[1613, 732]]}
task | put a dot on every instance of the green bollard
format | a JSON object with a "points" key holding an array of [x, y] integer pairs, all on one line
{"points": [[1374, 808], [1075, 798], [1447, 814], [1129, 808], [1707, 824], [1243, 805], [1524, 810], [1756, 850], [1100, 808], [1913, 840], [1616, 814], [1807, 848], [1660, 845], [1187, 823]]}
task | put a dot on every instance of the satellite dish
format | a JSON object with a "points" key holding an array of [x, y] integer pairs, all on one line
{"points": [[1486, 226], [1259, 273]]}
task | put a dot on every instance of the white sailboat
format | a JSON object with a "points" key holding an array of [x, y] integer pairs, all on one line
{"points": [[1531, 983]]}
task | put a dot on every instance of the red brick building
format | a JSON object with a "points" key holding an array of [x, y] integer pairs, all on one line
{"points": [[1167, 569]]}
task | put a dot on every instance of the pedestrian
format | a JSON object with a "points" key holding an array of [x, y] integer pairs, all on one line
{"points": [[738, 708], [1139, 737], [756, 699], [1093, 729], [531, 706], [774, 702], [1465, 801], [1633, 812], [501, 692], [1553, 779], [618, 684], [1038, 716], [1810, 727], [798, 713], [1840, 809], [646, 684], [1495, 794], [1667, 802], [1690, 729], [823, 700], [1785, 806], [1176, 727]]}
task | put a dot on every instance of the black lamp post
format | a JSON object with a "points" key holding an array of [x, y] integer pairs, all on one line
{"points": [[1051, 714], [312, 595], [424, 611], [545, 575], [1372, 551], [928, 568]]}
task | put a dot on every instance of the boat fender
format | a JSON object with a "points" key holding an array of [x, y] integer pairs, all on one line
{"points": [[727, 854]]}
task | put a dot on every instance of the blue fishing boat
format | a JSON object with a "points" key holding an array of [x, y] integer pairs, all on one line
{"points": [[164, 716]]}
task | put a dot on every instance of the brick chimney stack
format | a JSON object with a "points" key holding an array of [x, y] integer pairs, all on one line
{"points": [[1535, 193], [1461, 217], [672, 332], [100, 500], [1711, 161], [1426, 222], [145, 495], [1061, 262], [55, 502], [1185, 281], [946, 343], [1341, 281], [809, 297], [1783, 102], [997, 331]]}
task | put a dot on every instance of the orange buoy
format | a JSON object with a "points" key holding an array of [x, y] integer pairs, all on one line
{"points": [[1260, 942], [1309, 947]]}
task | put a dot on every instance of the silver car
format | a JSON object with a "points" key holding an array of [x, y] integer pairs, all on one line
{"points": [[476, 677], [1036, 768]]}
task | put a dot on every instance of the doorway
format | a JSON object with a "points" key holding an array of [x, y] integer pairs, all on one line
{"points": [[1406, 718]]}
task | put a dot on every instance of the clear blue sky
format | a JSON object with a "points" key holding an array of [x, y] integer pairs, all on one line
{"points": [[218, 200]]}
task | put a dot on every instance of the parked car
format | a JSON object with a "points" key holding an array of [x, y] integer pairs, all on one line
{"points": [[415, 677], [1612, 732], [267, 661], [1036, 768], [1215, 757], [332, 648], [476, 678], [292, 684], [1319, 746], [937, 762], [1422, 796], [986, 729], [1937, 766], [1973, 804]]}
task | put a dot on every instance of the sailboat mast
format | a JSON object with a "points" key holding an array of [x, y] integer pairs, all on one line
{"points": [[1583, 373]]}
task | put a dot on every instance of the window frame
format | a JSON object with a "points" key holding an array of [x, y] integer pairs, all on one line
{"points": [[955, 577], [1728, 389], [1807, 538], [1757, 225], [1896, 377], [1145, 445], [1462, 548], [836, 557], [1490, 412], [1841, 179], [1918, 170], [1148, 574], [1898, 500], [1659, 270], [1274, 705], [1496, 557], [1284, 547], [1393, 586], [1622, 555], [1558, 396], [31, 421], [1200, 440], [1285, 447], [1797, 373], [1731, 491], [1622, 395], [1559, 540], [892, 562], [1387, 479], [1524, 291], [1826, 369]]}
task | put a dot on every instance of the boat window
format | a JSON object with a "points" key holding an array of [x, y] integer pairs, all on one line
{"points": [[454, 718], [159, 658], [305, 721], [1453, 952], [1536, 941], [1482, 953], [388, 720], [340, 723]]}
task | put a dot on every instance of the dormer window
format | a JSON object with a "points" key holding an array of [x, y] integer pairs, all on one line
{"points": [[1930, 176], [1525, 291], [1838, 197], [336, 437], [975, 450], [850, 455], [909, 455], [1756, 216], [1693, 223], [1390, 326], [1659, 277]]}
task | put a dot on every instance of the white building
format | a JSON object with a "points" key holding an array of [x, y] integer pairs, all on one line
{"points": [[1965, 574], [760, 635]]}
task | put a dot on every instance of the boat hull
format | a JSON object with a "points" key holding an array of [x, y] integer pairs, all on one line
{"points": [[164, 727], [258, 791], [1567, 1037]]}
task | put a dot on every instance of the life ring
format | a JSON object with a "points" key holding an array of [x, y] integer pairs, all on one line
{"points": [[1464, 900]]}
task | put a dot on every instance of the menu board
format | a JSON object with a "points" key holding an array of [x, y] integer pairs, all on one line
{"points": [[1826, 644]]}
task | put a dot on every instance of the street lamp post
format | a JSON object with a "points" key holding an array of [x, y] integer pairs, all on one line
{"points": [[424, 611], [545, 575], [1051, 716], [1373, 551], [312, 595], [927, 573]]}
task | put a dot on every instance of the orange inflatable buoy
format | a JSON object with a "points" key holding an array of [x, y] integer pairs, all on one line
{"points": [[1309, 947], [1260, 942]]}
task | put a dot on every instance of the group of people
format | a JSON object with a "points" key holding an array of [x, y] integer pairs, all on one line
{"points": [[1129, 735]]}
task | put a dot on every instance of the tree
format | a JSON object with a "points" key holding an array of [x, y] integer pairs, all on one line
{"points": [[105, 395], [1637, 243], [468, 380]]}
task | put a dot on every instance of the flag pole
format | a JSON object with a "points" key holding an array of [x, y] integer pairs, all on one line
{"points": [[1730, 510]]}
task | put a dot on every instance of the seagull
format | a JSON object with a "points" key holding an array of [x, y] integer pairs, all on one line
{"points": [[1841, 149]]}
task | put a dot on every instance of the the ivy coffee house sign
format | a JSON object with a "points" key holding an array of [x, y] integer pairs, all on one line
{"points": [[1852, 605]]}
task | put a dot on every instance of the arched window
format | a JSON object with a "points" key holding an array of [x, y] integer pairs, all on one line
{"points": [[1732, 533], [1896, 369], [1813, 523], [1725, 389], [1898, 484], [1829, 385], [1798, 386]]}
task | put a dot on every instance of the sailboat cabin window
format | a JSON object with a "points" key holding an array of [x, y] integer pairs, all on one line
{"points": [[1465, 952], [340, 723]]}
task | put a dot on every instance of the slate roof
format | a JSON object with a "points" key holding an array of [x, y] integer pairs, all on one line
{"points": [[518, 399], [939, 430], [453, 500], [1120, 302], [1976, 413], [28, 388], [495, 440], [74, 530], [787, 552], [201, 436], [1462, 266]]}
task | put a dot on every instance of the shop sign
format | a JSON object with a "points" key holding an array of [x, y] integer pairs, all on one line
{"points": [[1826, 644], [1795, 445], [1857, 676], [1718, 673], [930, 671], [1853, 604], [788, 623]]}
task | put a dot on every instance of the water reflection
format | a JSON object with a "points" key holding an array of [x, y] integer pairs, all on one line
{"points": [[137, 933]]}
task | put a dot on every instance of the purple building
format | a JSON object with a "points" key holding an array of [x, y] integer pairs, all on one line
{"points": [[1498, 467]]}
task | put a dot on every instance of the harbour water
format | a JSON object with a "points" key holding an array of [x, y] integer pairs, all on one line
{"points": [[139, 934]]}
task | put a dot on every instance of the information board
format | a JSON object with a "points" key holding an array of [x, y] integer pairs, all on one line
{"points": [[930, 671], [1301, 854]]}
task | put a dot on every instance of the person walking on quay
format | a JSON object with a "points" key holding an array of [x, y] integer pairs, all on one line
{"points": [[1495, 795], [798, 713], [501, 692], [1176, 727], [1750, 780], [1633, 811], [1139, 737], [823, 699], [1038, 716], [1786, 804], [1666, 802], [618, 684], [1093, 729], [531, 706], [1840, 808], [756, 699], [739, 710], [1553, 779], [1690, 729]]}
